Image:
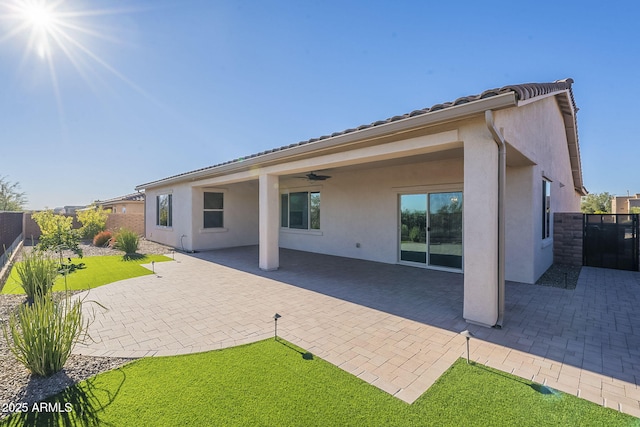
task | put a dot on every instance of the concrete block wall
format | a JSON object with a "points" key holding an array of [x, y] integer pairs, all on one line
{"points": [[130, 221], [10, 228], [567, 238]]}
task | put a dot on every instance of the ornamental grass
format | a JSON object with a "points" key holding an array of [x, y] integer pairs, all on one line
{"points": [[42, 335], [36, 275]]}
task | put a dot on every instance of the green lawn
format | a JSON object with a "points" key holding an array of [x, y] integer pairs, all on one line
{"points": [[272, 383], [99, 271]]}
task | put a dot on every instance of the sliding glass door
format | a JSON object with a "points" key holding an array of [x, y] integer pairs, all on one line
{"points": [[413, 228], [445, 230], [431, 229]]}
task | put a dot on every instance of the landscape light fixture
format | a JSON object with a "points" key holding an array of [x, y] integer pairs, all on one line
{"points": [[153, 267], [275, 320], [467, 335]]}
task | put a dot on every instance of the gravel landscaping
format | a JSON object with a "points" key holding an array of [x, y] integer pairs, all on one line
{"points": [[17, 385], [560, 276]]}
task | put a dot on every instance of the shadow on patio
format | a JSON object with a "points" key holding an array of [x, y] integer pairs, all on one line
{"points": [[427, 296]]}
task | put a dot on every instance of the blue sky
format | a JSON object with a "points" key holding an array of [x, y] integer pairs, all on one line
{"points": [[156, 88]]}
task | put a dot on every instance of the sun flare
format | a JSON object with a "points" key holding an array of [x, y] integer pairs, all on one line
{"points": [[38, 16], [41, 20], [59, 31]]}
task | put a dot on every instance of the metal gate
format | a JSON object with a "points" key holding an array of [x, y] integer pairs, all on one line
{"points": [[611, 241]]}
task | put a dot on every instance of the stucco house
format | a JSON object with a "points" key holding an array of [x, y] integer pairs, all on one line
{"points": [[468, 186], [128, 204], [625, 204]]}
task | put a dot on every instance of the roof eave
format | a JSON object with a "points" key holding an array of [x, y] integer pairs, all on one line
{"points": [[429, 119]]}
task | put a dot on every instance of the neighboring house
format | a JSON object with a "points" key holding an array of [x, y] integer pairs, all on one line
{"points": [[68, 210], [129, 204], [424, 189], [624, 204]]}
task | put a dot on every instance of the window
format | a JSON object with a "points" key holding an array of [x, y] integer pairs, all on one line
{"points": [[284, 210], [164, 216], [300, 210], [546, 209], [213, 210]]}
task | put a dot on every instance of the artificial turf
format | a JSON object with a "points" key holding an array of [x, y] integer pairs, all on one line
{"points": [[273, 383], [97, 271]]}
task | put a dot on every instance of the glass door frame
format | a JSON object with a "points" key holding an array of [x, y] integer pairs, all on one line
{"points": [[426, 191]]}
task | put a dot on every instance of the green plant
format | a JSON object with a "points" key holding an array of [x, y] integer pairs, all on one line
{"points": [[93, 220], [127, 241], [102, 238], [11, 198], [37, 274], [414, 234], [42, 335], [57, 232], [70, 267]]}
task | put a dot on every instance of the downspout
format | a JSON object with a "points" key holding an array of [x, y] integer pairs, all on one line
{"points": [[144, 215], [502, 170]]}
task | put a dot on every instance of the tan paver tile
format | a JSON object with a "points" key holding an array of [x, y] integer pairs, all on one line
{"points": [[386, 386]]}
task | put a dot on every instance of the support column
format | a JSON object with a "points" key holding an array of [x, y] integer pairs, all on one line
{"points": [[268, 223], [480, 231]]}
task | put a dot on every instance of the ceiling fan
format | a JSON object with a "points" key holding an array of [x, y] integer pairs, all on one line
{"points": [[311, 176]]}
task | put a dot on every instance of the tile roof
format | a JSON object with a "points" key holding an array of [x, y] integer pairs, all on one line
{"points": [[522, 92]]}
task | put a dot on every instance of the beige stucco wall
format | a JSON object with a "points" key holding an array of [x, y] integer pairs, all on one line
{"points": [[129, 207], [480, 217], [537, 131], [360, 207], [240, 217], [181, 216], [520, 214], [622, 204]]}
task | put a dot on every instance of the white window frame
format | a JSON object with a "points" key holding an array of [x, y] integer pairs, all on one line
{"points": [[308, 229], [546, 209]]}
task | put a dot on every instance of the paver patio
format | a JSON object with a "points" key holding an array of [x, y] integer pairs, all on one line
{"points": [[395, 327]]}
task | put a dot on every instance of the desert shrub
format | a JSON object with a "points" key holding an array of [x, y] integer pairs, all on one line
{"points": [[102, 238], [42, 335], [57, 232], [127, 241], [93, 220], [36, 274], [414, 234]]}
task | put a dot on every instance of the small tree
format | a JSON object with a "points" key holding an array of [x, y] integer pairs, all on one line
{"points": [[596, 203], [93, 220], [11, 199], [57, 233]]}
